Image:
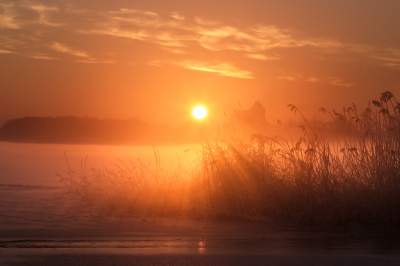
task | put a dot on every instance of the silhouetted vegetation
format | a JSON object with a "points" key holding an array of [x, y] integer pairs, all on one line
{"points": [[313, 181], [72, 129]]}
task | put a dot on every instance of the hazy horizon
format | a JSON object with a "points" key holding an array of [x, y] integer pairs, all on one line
{"points": [[208, 132], [153, 60]]}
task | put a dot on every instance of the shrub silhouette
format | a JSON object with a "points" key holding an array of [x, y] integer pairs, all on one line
{"points": [[313, 181]]}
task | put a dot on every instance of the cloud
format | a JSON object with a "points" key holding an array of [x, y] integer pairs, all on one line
{"points": [[42, 57], [62, 48], [221, 69], [16, 15], [44, 13], [178, 32], [144, 26], [388, 58], [288, 77], [312, 79], [177, 16], [8, 17], [4, 51], [82, 56], [299, 77], [338, 82], [332, 81], [263, 57], [8, 45], [155, 63], [95, 61], [30, 23], [116, 32]]}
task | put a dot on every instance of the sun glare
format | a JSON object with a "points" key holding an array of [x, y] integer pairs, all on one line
{"points": [[200, 112]]}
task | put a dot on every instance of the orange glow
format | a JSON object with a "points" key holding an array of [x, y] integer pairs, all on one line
{"points": [[127, 59]]}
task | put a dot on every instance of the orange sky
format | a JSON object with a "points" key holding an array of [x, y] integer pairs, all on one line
{"points": [[153, 59]]}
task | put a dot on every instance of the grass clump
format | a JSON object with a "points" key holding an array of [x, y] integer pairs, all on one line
{"points": [[353, 179]]}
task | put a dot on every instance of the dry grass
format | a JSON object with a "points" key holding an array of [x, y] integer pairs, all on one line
{"points": [[354, 180]]}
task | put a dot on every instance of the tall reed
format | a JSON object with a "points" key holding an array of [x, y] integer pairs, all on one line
{"points": [[353, 179]]}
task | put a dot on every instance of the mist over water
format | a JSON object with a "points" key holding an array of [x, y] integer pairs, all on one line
{"points": [[39, 164], [35, 201], [37, 214]]}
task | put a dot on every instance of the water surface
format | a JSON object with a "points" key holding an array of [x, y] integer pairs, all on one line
{"points": [[38, 219]]}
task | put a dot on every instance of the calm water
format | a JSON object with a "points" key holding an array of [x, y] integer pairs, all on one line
{"points": [[39, 164], [33, 201], [38, 218]]}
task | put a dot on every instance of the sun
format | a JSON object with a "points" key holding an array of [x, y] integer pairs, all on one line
{"points": [[199, 112]]}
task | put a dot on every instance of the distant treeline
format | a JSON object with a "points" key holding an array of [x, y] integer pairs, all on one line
{"points": [[242, 123], [92, 131]]}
